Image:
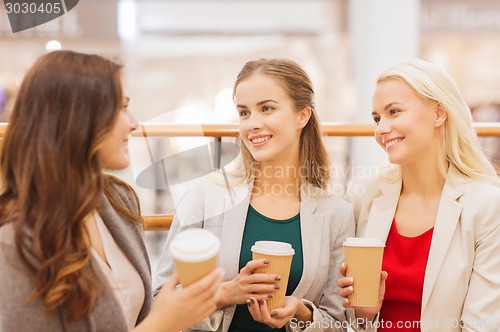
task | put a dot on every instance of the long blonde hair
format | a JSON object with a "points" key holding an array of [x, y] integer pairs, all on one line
{"points": [[460, 146], [312, 153]]}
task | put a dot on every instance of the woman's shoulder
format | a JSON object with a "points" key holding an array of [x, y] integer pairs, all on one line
{"points": [[9, 255], [121, 186], [475, 186], [124, 191], [367, 181], [214, 186], [480, 207], [327, 201], [481, 193], [365, 188], [332, 201]]}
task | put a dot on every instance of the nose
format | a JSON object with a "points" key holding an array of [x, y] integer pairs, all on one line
{"points": [[382, 128], [132, 122], [254, 122]]}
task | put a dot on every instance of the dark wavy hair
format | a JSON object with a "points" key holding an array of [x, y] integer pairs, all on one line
{"points": [[50, 176]]}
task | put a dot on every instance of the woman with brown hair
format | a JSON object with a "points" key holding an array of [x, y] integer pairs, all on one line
{"points": [[277, 191], [72, 255]]}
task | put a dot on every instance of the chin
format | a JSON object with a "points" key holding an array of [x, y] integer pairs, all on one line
{"points": [[124, 165], [395, 160], [118, 165], [262, 158]]}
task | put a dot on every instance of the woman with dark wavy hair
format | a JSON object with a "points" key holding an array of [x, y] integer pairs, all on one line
{"points": [[72, 255]]}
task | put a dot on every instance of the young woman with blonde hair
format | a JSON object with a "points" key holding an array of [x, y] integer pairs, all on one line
{"points": [[437, 208]]}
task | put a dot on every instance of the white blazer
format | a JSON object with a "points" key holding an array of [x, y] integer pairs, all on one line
{"points": [[462, 278], [325, 223]]}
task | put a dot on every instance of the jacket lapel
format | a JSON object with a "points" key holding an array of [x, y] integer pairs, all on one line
{"points": [[311, 225], [233, 224], [137, 256], [447, 219], [383, 210], [236, 202], [117, 227]]}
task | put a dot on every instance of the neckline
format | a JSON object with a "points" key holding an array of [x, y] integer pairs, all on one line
{"points": [[430, 230], [282, 221]]}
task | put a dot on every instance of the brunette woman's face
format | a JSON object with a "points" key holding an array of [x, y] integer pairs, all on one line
{"points": [[269, 125], [113, 153]]}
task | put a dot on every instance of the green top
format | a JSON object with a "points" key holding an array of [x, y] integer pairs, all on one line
{"points": [[257, 228]]}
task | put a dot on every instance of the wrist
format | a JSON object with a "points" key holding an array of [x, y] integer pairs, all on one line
{"points": [[365, 314], [223, 296], [154, 322], [304, 312]]}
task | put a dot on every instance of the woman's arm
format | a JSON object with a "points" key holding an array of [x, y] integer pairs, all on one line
{"points": [[481, 310], [175, 309], [190, 213], [16, 284]]}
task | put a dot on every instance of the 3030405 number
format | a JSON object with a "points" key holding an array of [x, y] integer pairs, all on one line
{"points": [[33, 8]]}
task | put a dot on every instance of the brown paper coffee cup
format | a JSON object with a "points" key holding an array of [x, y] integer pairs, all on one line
{"points": [[363, 257], [195, 253], [280, 256]]}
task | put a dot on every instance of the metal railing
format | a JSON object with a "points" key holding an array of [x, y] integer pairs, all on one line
{"points": [[217, 131]]}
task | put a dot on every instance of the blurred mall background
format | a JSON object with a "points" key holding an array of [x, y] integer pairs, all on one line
{"points": [[181, 58]]}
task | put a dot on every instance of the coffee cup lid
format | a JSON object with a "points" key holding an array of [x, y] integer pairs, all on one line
{"points": [[363, 242], [274, 248], [194, 245]]}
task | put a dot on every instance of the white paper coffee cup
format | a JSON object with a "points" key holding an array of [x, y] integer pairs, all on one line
{"points": [[195, 253]]}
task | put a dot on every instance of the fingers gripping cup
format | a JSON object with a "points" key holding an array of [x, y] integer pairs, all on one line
{"points": [[195, 254], [363, 257], [280, 256]]}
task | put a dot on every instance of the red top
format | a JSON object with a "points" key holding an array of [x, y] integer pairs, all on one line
{"points": [[405, 259]]}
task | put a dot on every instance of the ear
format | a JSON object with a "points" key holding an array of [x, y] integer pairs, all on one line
{"points": [[303, 116], [441, 114]]}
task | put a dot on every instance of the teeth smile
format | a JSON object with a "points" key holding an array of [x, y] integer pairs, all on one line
{"points": [[260, 139], [391, 143]]}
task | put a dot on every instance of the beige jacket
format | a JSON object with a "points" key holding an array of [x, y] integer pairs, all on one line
{"points": [[462, 279]]}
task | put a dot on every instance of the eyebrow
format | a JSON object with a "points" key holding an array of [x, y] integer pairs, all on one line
{"points": [[266, 101], [259, 103], [390, 105], [386, 107]]}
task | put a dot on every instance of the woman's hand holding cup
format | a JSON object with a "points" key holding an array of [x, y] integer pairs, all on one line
{"points": [[248, 284], [363, 284], [347, 288]]}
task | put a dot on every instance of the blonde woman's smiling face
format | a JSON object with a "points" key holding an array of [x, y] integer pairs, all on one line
{"points": [[407, 124]]}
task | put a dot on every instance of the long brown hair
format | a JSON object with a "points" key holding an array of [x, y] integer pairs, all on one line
{"points": [[312, 153], [50, 176]]}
